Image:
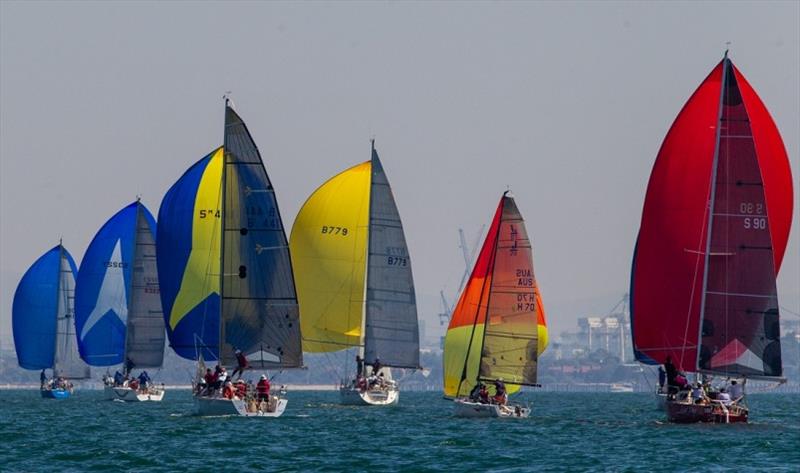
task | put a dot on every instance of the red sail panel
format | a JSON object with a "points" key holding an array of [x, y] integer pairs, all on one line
{"points": [[667, 274], [740, 332], [776, 173], [462, 344]]}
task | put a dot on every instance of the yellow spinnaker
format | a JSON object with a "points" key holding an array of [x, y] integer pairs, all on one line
{"points": [[201, 276], [329, 250]]}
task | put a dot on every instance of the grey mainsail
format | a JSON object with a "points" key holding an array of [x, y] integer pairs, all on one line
{"points": [[391, 328], [144, 343], [66, 361], [260, 315]]}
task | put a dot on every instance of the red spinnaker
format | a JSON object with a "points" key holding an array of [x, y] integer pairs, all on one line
{"points": [[681, 277]]}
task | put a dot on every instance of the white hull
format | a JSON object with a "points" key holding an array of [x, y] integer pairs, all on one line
{"points": [[131, 395], [465, 408], [375, 397], [219, 406]]}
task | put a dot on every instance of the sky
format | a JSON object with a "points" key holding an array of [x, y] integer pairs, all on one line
{"points": [[564, 103]]}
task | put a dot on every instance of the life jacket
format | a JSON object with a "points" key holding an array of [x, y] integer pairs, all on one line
{"points": [[227, 392], [241, 390]]}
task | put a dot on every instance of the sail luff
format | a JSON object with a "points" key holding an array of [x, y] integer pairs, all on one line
{"points": [[222, 233], [466, 324], [488, 284], [712, 198], [130, 284], [56, 339]]}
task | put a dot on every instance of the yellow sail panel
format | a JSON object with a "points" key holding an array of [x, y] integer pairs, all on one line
{"points": [[329, 249], [540, 320], [456, 345], [201, 275]]}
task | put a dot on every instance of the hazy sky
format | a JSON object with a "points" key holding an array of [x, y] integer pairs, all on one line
{"points": [[565, 103]]}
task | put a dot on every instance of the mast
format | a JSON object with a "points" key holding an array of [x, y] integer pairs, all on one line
{"points": [[478, 311], [221, 276], [363, 339], [129, 288], [58, 291], [714, 165]]}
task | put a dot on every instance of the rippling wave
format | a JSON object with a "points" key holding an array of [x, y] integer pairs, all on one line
{"points": [[566, 432]]}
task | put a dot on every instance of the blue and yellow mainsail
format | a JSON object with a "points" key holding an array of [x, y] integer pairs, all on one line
{"points": [[228, 286], [42, 316], [117, 307]]}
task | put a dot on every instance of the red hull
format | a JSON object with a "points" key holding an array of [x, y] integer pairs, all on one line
{"points": [[681, 413]]}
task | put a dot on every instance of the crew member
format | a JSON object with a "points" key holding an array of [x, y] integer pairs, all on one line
{"points": [[262, 388], [242, 364]]}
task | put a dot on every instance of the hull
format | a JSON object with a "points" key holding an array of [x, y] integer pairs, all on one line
{"points": [[218, 406], [466, 408], [683, 413], [661, 401], [56, 393], [375, 397], [131, 395], [661, 396]]}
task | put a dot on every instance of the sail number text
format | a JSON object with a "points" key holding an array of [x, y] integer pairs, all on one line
{"points": [[526, 302], [205, 213], [524, 278], [332, 230], [756, 222], [396, 256]]}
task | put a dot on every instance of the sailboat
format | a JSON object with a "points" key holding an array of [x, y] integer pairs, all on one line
{"points": [[354, 280], [497, 330], [225, 271], [43, 322], [714, 229], [117, 306]]}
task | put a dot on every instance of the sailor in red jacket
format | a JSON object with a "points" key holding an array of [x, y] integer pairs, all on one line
{"points": [[262, 388], [241, 361], [227, 391]]}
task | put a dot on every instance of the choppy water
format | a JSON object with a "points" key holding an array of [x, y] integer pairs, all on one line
{"points": [[566, 432]]}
